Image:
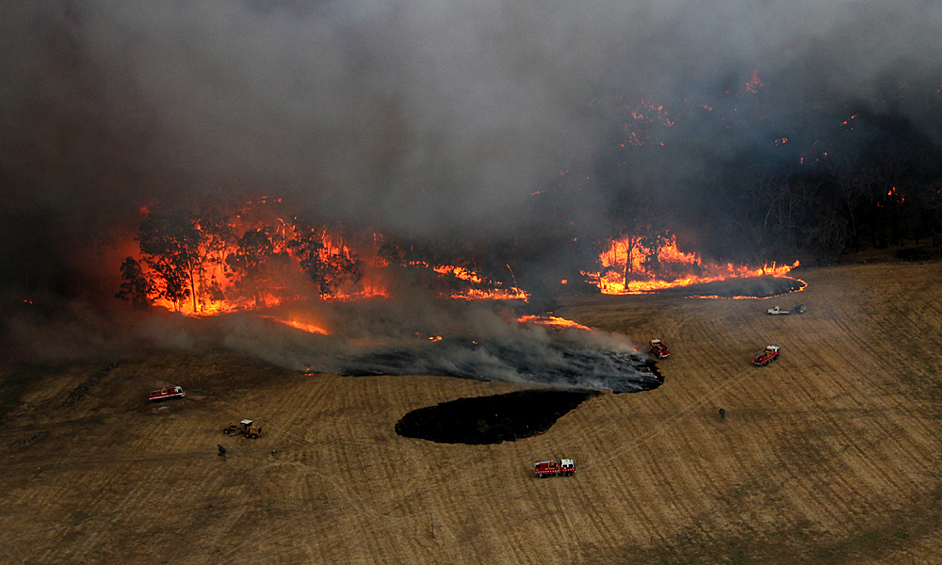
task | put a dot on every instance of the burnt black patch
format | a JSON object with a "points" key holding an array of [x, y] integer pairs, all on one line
{"points": [[568, 368], [502, 417], [491, 419]]}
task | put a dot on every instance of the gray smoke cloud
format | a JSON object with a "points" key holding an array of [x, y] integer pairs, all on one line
{"points": [[434, 119], [474, 340], [419, 116]]}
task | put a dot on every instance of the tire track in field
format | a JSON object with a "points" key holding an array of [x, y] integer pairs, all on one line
{"points": [[852, 468]]}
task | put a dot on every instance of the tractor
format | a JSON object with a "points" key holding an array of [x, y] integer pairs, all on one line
{"points": [[244, 428]]}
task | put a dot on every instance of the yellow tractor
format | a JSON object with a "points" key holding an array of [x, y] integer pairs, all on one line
{"points": [[244, 428]]}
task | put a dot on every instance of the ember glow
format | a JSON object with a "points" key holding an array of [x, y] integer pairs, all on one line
{"points": [[631, 267], [310, 328]]}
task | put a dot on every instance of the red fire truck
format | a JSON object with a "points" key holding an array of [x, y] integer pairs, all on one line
{"points": [[769, 354], [166, 393], [659, 349], [552, 468]]}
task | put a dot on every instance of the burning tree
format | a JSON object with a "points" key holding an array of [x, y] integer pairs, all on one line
{"points": [[328, 264], [253, 259], [181, 248]]}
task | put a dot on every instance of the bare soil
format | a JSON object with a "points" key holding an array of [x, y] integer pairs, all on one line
{"points": [[831, 455]]}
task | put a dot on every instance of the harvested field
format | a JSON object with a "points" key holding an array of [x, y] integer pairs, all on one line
{"points": [[831, 455]]}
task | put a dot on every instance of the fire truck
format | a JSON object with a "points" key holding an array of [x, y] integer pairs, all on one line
{"points": [[166, 393], [769, 354], [553, 468], [659, 349]]}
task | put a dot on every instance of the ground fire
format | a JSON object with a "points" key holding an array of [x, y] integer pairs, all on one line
{"points": [[635, 265]]}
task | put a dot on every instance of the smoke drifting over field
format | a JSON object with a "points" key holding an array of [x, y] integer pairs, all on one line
{"points": [[471, 340], [433, 119]]}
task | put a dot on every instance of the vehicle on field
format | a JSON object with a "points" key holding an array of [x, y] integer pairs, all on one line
{"points": [[659, 350], [166, 393], [244, 428], [779, 311], [768, 355], [553, 468]]}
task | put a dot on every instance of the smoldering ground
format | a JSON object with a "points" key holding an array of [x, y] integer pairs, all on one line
{"points": [[372, 337]]}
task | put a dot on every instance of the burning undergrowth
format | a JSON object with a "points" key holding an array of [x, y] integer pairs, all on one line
{"points": [[257, 255], [652, 262], [482, 341]]}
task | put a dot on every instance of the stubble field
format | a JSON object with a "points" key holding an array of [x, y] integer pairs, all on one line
{"points": [[829, 455]]}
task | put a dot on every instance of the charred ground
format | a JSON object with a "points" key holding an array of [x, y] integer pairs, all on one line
{"points": [[491, 419]]}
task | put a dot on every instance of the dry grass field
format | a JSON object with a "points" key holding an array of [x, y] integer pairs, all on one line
{"points": [[830, 455]]}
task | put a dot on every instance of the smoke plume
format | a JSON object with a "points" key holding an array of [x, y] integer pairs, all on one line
{"points": [[434, 119]]}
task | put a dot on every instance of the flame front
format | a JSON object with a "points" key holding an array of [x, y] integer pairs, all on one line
{"points": [[552, 321], [631, 267], [209, 263]]}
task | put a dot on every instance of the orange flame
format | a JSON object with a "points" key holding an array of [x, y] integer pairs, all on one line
{"points": [[310, 328], [628, 267], [552, 321], [282, 280], [512, 293], [459, 273]]}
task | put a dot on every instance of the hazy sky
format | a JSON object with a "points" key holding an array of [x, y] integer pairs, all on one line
{"points": [[419, 116], [426, 117]]}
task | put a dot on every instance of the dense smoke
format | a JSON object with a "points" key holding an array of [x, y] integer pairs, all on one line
{"points": [[437, 120], [447, 338]]}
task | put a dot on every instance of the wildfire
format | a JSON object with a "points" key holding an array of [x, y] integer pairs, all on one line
{"points": [[459, 272], [512, 293], [631, 267], [553, 321], [207, 263], [310, 328]]}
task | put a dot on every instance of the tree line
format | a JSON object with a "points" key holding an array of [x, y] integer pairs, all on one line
{"points": [[193, 258], [837, 186]]}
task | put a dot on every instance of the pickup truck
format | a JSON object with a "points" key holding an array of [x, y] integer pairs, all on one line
{"points": [[779, 311]]}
